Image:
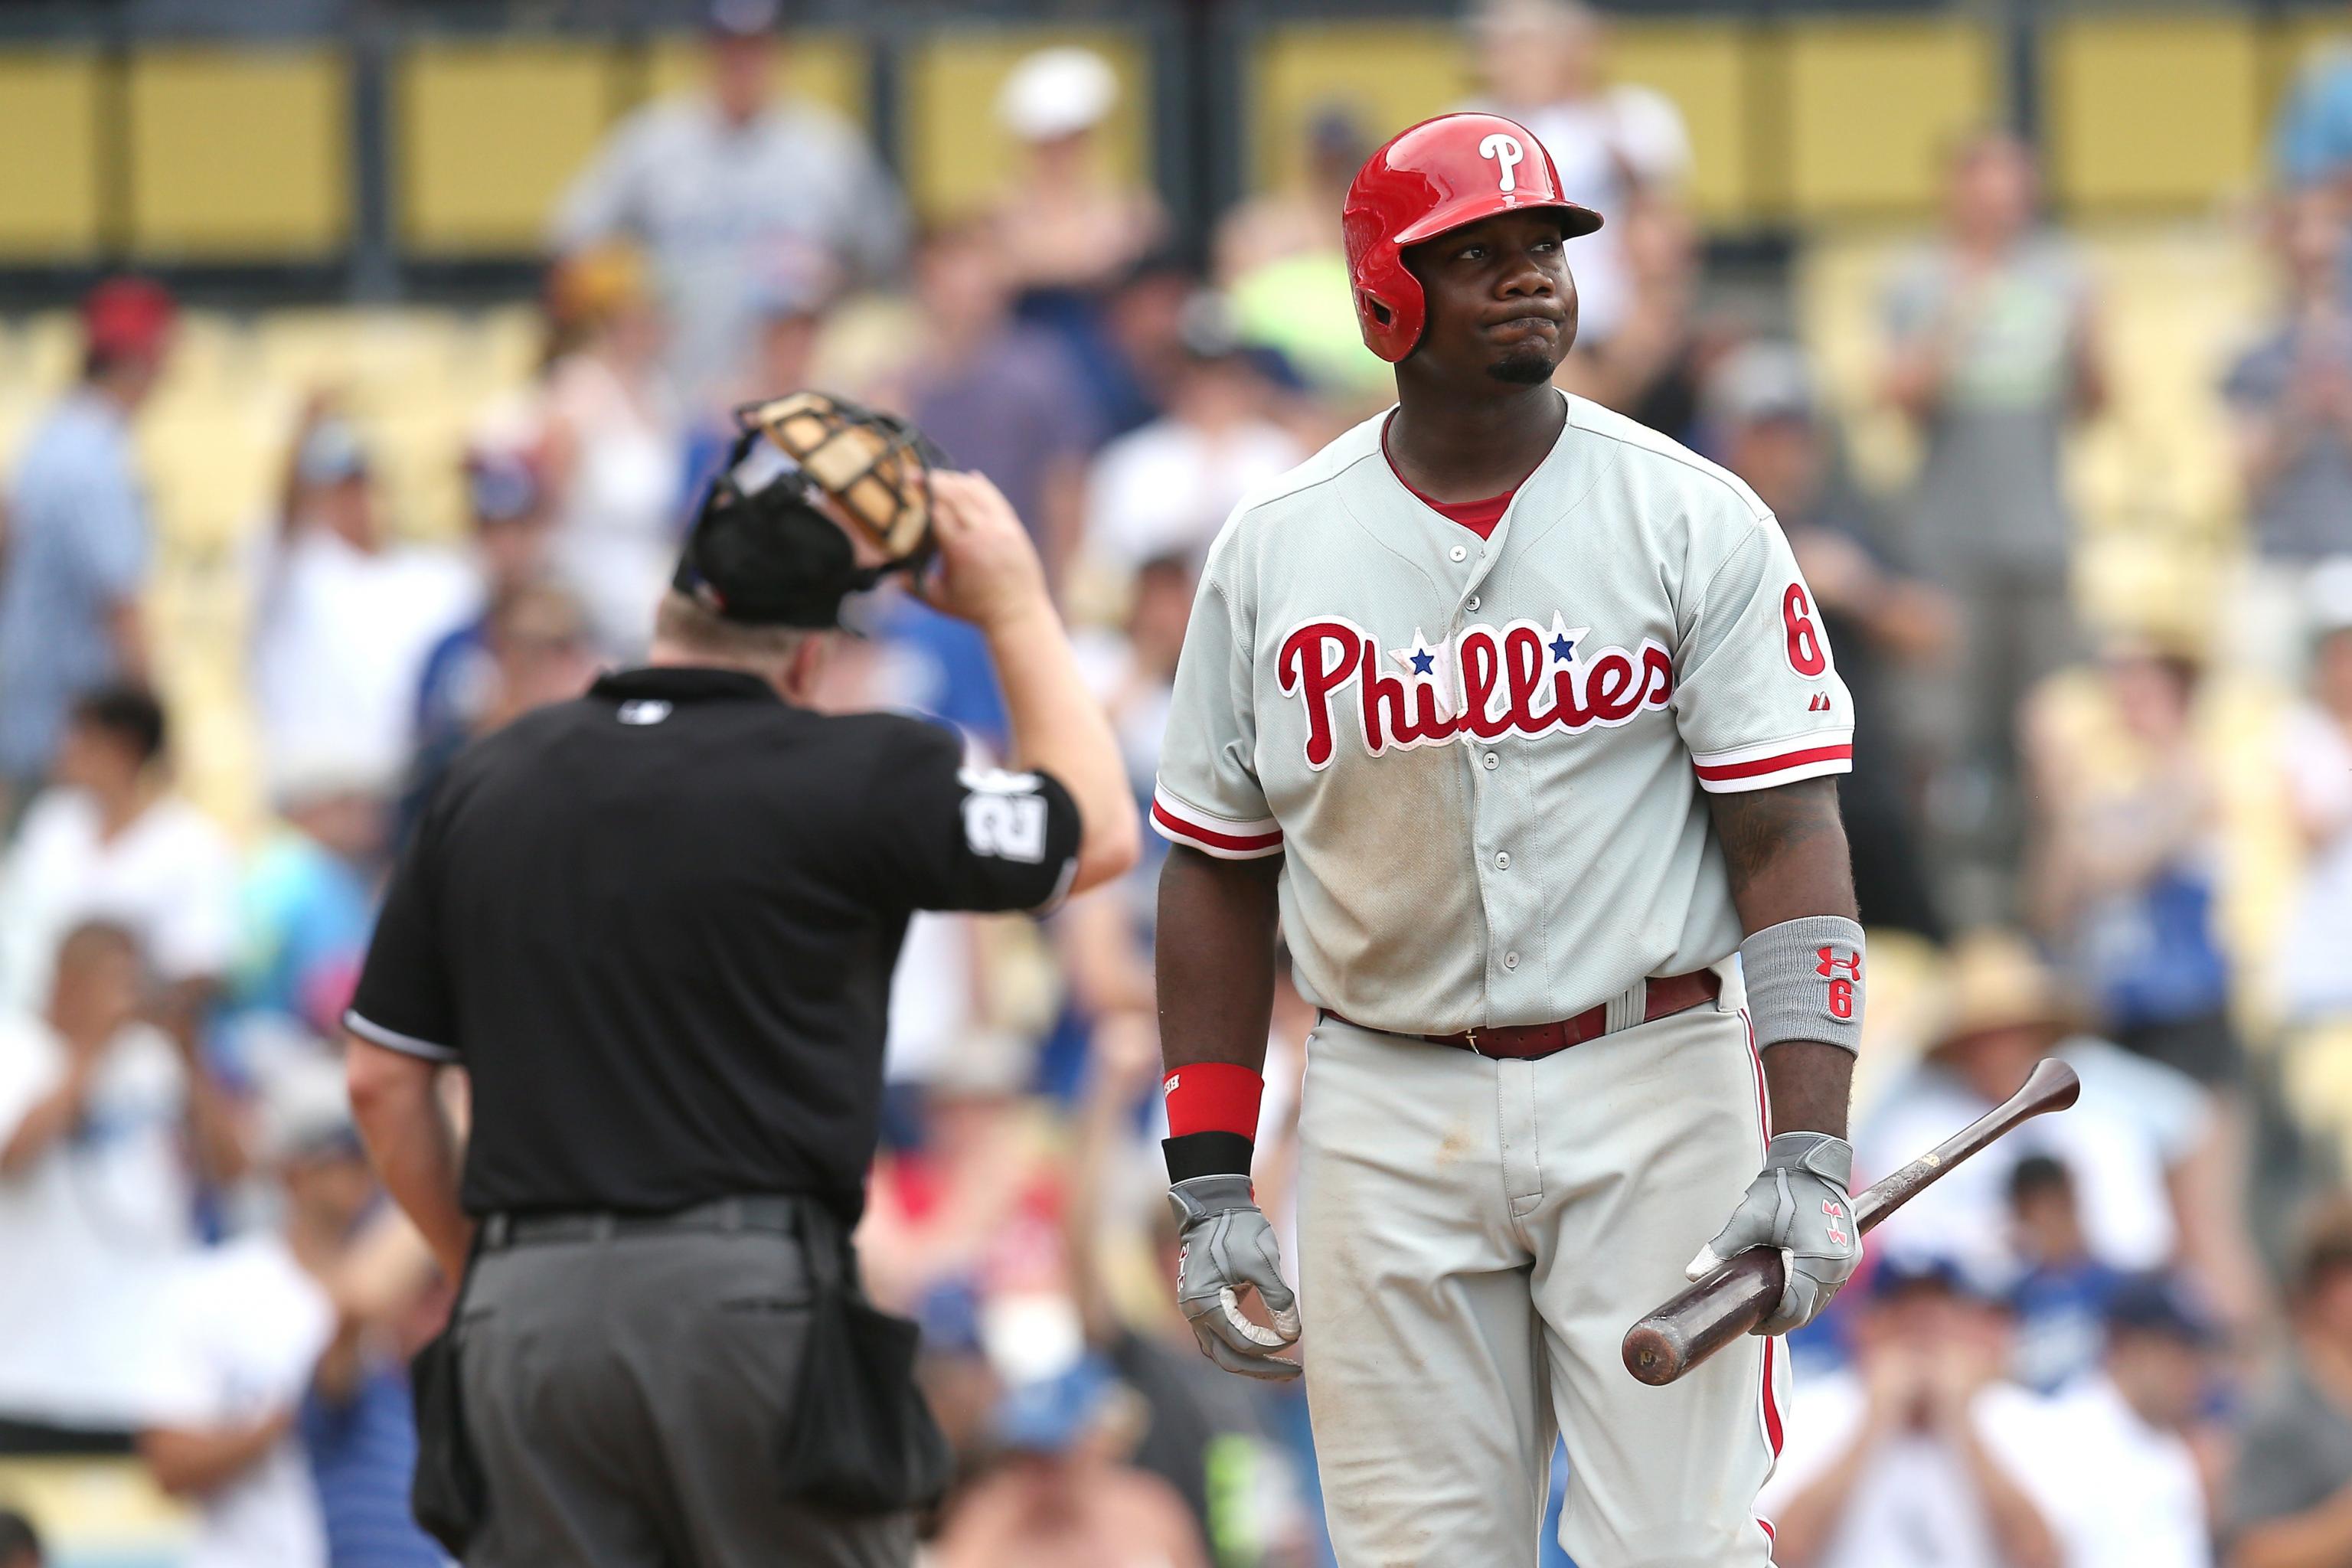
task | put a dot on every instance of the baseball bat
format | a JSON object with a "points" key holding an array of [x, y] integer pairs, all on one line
{"points": [[1738, 1294]]}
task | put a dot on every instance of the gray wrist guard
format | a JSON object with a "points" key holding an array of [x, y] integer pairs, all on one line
{"points": [[1804, 981]]}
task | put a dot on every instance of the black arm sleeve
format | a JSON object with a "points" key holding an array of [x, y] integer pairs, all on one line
{"points": [[967, 838], [403, 996]]}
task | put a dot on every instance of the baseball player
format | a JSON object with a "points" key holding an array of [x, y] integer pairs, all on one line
{"points": [[1517, 716]]}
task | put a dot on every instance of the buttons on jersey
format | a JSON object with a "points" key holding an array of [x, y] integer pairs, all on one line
{"points": [[1459, 554], [1491, 760], [1510, 961], [1473, 601], [1502, 859]]}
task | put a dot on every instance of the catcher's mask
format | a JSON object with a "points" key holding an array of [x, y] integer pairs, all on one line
{"points": [[771, 541]]}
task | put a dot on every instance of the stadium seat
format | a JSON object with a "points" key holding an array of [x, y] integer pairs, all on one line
{"points": [[238, 154], [50, 202]]}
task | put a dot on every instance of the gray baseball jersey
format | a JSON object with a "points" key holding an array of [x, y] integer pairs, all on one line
{"points": [[1483, 759]]}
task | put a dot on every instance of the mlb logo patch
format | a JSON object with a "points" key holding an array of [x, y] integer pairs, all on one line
{"points": [[643, 710]]}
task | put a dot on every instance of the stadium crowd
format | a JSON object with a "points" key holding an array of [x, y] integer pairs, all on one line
{"points": [[2123, 1337]]}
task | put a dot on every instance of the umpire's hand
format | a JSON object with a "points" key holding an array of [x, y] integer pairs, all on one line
{"points": [[1227, 1245], [988, 571]]}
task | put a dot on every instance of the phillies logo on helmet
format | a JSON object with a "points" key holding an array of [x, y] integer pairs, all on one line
{"points": [[1506, 150], [1522, 677]]}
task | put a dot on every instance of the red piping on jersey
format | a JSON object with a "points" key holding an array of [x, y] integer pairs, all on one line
{"points": [[1840, 753], [1478, 516], [1773, 1430], [1175, 823]]}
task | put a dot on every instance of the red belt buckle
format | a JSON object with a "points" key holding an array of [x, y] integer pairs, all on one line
{"points": [[1471, 1035]]}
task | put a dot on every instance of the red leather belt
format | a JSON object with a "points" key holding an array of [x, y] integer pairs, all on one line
{"points": [[1662, 998]]}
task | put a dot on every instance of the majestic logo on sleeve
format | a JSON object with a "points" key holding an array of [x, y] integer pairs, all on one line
{"points": [[1521, 678]]}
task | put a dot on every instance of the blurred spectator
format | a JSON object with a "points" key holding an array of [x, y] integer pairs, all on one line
{"points": [[1920, 1454], [1068, 225], [345, 617], [1129, 346], [20, 1545], [722, 186], [77, 537], [2291, 1490], [1764, 413], [1168, 487], [1279, 260], [2060, 1300], [2126, 857], [112, 841], [2146, 1144], [1061, 1497], [1993, 353], [979, 1200], [2317, 976], [2121, 1480], [539, 651], [998, 396], [615, 446], [1543, 63], [2292, 395], [357, 1426], [1652, 366], [507, 503], [97, 1113], [307, 903], [236, 1339], [2312, 142]]}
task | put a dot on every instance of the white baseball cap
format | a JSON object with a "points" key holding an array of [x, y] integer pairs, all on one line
{"points": [[1057, 92]]}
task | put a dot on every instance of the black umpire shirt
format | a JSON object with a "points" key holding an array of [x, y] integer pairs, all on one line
{"points": [[656, 925]]}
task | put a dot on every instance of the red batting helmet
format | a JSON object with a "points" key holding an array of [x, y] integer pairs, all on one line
{"points": [[1441, 174]]}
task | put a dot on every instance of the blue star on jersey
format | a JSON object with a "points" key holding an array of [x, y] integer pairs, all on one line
{"points": [[1564, 638], [1421, 656]]}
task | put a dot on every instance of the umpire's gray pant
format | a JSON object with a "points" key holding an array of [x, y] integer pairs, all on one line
{"points": [[627, 1399]]}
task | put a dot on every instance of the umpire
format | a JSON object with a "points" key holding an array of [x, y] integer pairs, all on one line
{"points": [[655, 925]]}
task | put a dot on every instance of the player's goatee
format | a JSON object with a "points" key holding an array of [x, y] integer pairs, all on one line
{"points": [[1525, 369]]}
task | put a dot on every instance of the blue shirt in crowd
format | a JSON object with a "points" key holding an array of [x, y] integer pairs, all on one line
{"points": [[77, 546], [362, 1454]]}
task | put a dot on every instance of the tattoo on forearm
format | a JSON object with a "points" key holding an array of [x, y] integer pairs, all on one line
{"points": [[1760, 826]]}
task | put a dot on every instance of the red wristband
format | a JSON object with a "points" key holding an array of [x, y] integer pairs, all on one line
{"points": [[1212, 1097]]}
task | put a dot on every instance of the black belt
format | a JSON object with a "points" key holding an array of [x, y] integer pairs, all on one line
{"points": [[776, 1213]]}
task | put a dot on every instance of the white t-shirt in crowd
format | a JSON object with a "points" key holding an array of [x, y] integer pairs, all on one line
{"points": [[340, 641], [2317, 964], [1914, 1503], [1166, 489], [171, 876], [2119, 1492], [90, 1233], [2137, 1121], [239, 1332]]}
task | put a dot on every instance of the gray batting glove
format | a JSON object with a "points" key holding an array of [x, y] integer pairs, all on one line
{"points": [[1799, 1205], [1228, 1245]]}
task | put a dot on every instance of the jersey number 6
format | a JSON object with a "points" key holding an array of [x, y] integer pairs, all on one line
{"points": [[1805, 656]]}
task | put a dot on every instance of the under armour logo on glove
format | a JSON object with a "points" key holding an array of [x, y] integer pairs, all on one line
{"points": [[1506, 152], [1836, 1215]]}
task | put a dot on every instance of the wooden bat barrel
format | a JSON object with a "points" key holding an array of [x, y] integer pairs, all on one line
{"points": [[1738, 1294]]}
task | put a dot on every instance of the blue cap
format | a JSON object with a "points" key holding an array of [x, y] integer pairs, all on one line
{"points": [[1048, 1414], [2158, 1304], [1894, 1273]]}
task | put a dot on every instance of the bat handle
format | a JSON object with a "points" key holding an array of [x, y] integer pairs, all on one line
{"points": [[1707, 1315]]}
